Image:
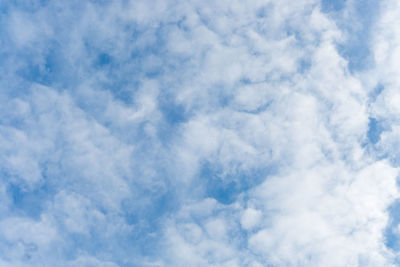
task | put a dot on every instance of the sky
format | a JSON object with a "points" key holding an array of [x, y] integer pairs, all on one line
{"points": [[199, 133]]}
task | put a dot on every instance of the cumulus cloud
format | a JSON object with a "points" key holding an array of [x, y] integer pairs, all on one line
{"points": [[198, 133]]}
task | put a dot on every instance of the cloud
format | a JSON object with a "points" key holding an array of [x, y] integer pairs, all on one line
{"points": [[163, 133]]}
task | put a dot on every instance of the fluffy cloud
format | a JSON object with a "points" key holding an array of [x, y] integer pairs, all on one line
{"points": [[197, 133]]}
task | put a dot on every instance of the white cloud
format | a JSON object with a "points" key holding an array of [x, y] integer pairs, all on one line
{"points": [[154, 112], [250, 218]]}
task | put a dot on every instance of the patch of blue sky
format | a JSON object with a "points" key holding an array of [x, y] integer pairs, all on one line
{"points": [[174, 113], [356, 24], [28, 6], [376, 92], [374, 130], [225, 186], [51, 72], [126, 70], [376, 127], [333, 5], [392, 235], [26, 202]]}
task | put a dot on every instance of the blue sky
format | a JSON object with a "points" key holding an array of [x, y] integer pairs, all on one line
{"points": [[199, 133]]}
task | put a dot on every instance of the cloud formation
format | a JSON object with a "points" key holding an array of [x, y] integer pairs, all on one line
{"points": [[199, 133]]}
